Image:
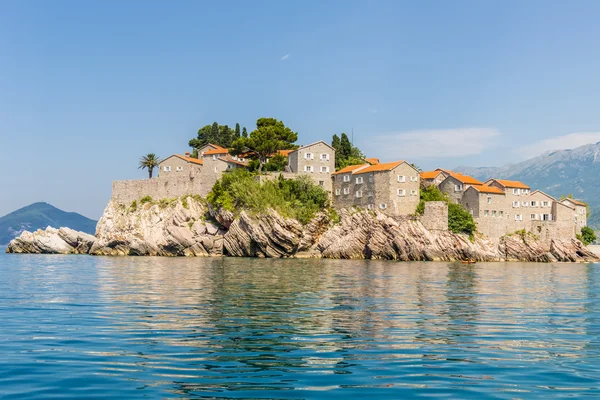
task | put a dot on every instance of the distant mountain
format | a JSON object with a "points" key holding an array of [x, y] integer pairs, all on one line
{"points": [[574, 171], [41, 215]]}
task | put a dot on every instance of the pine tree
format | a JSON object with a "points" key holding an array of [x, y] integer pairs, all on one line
{"points": [[238, 133], [244, 132], [214, 133], [345, 147], [225, 138]]}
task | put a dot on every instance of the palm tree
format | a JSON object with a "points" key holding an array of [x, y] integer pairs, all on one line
{"points": [[149, 161]]}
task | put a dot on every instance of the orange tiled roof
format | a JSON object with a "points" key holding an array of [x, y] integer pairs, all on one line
{"points": [[512, 184], [430, 174], [466, 179], [372, 160], [229, 159], [349, 168], [284, 152], [579, 203], [379, 167], [189, 159], [487, 189], [220, 150]]}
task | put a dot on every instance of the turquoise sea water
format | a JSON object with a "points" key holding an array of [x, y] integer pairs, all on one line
{"points": [[83, 327]]}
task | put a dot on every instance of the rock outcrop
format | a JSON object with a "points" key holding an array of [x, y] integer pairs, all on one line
{"points": [[188, 227], [182, 227], [52, 241]]}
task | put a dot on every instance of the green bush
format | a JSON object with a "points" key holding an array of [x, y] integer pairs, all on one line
{"points": [[294, 198], [459, 219], [133, 205], [587, 236], [146, 199]]}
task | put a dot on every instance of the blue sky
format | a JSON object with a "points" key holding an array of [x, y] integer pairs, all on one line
{"points": [[86, 88]]}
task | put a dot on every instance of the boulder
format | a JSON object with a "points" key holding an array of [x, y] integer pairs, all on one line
{"points": [[52, 241]]}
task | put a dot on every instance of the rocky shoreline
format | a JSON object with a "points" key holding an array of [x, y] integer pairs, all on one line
{"points": [[189, 227]]}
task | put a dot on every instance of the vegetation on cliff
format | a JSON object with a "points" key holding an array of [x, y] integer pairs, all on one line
{"points": [[587, 236], [459, 219], [294, 198], [221, 135]]}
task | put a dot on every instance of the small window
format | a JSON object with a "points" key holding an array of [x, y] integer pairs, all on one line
{"points": [[321, 183], [545, 204], [324, 157], [179, 169], [534, 204], [359, 193], [401, 192], [515, 204], [413, 179], [308, 168], [489, 200], [370, 206], [401, 178], [500, 213], [458, 188], [486, 213], [338, 192], [167, 168], [533, 216], [493, 213], [309, 156], [346, 190], [518, 217], [214, 157], [413, 192], [346, 178], [516, 192], [370, 178], [359, 180], [370, 194], [324, 169], [525, 203], [383, 206]]}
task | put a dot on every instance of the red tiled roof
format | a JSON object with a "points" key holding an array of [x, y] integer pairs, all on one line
{"points": [[189, 159], [220, 150], [512, 184], [284, 152], [379, 167], [487, 189], [577, 202], [466, 179], [430, 174], [350, 168]]}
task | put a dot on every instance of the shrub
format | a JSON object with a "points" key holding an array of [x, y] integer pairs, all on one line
{"points": [[133, 205], [184, 202], [146, 199], [296, 198], [587, 236], [459, 219], [430, 193]]}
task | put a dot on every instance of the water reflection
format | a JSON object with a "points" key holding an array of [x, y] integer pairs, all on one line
{"points": [[311, 328]]}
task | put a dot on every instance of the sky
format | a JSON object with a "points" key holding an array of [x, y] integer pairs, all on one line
{"points": [[87, 88]]}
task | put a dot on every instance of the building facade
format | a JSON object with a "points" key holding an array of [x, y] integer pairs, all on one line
{"points": [[316, 160]]}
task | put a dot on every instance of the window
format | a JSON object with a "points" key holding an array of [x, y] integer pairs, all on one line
{"points": [[458, 188], [214, 157], [179, 169], [515, 204], [534, 204], [525, 203], [500, 213], [308, 168], [518, 217], [324, 169], [346, 190], [533, 217], [413, 179], [486, 213], [324, 157], [383, 206], [493, 213], [338, 192], [489, 200], [545, 204], [359, 180], [401, 178], [413, 192], [370, 206], [370, 194], [547, 217], [309, 156], [346, 178], [516, 192], [401, 192], [359, 193], [167, 168], [321, 183]]}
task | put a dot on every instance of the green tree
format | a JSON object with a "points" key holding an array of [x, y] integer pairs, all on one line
{"points": [[345, 146], [345, 153], [238, 133], [203, 137], [336, 143], [459, 219], [149, 162], [269, 136], [225, 136], [214, 133], [244, 132], [277, 162], [587, 235]]}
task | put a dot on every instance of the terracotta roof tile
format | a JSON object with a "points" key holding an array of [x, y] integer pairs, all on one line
{"points": [[220, 150], [577, 202], [229, 159], [350, 168], [487, 189], [372, 160], [512, 184], [466, 179], [284, 152], [189, 159], [430, 174], [379, 167]]}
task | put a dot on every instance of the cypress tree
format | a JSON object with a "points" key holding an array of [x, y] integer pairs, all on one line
{"points": [[238, 133], [214, 133], [244, 132], [345, 147]]}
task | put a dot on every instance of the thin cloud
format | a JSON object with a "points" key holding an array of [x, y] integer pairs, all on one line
{"points": [[438, 143], [285, 57], [569, 141]]}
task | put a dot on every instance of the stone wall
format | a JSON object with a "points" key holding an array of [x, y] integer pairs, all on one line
{"points": [[125, 192], [435, 217], [319, 158]]}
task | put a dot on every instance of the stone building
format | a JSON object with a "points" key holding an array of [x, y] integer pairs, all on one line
{"points": [[580, 212], [435, 177], [179, 165], [317, 160], [456, 184], [391, 187]]}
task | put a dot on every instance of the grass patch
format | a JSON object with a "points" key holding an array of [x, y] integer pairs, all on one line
{"points": [[146, 199]]}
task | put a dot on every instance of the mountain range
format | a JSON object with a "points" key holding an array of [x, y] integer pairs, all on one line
{"points": [[39, 216], [562, 172]]}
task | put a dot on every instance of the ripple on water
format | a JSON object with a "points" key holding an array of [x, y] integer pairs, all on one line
{"points": [[85, 327]]}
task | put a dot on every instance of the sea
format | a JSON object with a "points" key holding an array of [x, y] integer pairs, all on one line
{"points": [[81, 327]]}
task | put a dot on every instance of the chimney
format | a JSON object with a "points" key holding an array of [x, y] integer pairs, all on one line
{"points": [[187, 153]]}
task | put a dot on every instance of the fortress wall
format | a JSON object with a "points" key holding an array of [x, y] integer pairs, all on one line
{"points": [[125, 192], [435, 217]]}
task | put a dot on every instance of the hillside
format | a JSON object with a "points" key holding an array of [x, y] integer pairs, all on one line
{"points": [[41, 215], [573, 171]]}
